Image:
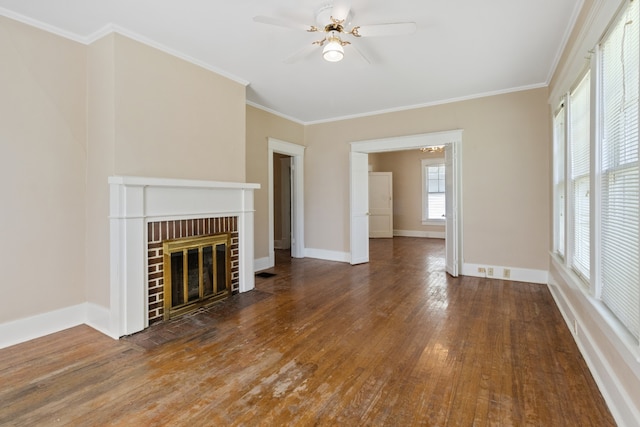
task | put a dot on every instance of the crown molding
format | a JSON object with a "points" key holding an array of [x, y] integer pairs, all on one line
{"points": [[430, 104], [116, 29], [42, 26], [275, 113]]}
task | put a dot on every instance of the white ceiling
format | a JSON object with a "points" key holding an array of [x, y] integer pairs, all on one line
{"points": [[461, 49]]}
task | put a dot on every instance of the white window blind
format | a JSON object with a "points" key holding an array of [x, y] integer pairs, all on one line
{"points": [[434, 194], [579, 141], [558, 181], [620, 272], [435, 174]]}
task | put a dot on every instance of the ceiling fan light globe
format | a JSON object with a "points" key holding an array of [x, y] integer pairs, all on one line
{"points": [[333, 52]]}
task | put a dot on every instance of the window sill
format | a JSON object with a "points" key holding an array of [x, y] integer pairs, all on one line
{"points": [[433, 222], [619, 336]]}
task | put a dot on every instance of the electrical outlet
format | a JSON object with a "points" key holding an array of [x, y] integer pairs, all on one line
{"points": [[490, 271], [506, 273], [482, 270]]}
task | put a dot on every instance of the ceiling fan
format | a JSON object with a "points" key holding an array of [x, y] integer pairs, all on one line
{"points": [[333, 20]]}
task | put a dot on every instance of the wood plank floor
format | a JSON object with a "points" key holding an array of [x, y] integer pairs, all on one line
{"points": [[394, 342]]}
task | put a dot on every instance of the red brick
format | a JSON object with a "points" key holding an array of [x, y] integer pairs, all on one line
{"points": [[155, 276], [156, 260]]}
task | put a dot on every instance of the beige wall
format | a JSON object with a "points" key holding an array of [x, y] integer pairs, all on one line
{"points": [[100, 165], [72, 116], [174, 119], [406, 167], [505, 174], [152, 114], [42, 169], [262, 125], [147, 113]]}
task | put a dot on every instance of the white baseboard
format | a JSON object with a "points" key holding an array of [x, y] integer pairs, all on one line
{"points": [[607, 358], [260, 264], [98, 318], [425, 234], [327, 255], [21, 330], [515, 274]]}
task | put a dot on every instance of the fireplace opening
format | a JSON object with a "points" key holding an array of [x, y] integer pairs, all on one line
{"points": [[197, 272]]}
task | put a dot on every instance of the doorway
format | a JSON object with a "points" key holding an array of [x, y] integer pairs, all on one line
{"points": [[295, 155], [452, 141], [282, 202]]}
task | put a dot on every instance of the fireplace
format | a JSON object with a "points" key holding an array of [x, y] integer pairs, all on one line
{"points": [[145, 212], [193, 242]]}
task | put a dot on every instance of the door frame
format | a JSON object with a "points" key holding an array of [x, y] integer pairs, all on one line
{"points": [[413, 142], [296, 152]]}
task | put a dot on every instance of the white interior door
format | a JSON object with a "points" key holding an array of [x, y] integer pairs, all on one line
{"points": [[380, 204], [451, 209], [359, 207], [453, 141]]}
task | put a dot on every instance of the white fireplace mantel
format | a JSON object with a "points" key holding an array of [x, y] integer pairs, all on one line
{"points": [[136, 201]]}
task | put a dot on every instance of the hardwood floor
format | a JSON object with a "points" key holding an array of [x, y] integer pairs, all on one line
{"points": [[394, 342]]}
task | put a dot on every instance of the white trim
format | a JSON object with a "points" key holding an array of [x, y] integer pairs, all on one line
{"points": [[18, 331], [275, 113], [182, 183], [515, 274], [262, 264], [42, 26], [297, 203], [424, 163], [429, 104], [590, 34], [422, 234], [133, 203], [624, 407], [407, 142], [98, 318], [565, 39], [112, 28], [450, 138], [327, 255]]}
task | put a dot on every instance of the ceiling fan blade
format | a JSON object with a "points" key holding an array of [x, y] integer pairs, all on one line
{"points": [[281, 23], [341, 9], [380, 30], [301, 54]]}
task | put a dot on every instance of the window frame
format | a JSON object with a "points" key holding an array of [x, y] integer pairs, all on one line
{"points": [[594, 284], [433, 161]]}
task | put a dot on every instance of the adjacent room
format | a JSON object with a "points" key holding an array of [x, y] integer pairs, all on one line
{"points": [[320, 213]]}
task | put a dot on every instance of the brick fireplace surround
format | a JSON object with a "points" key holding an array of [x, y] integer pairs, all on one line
{"points": [[159, 231], [141, 206]]}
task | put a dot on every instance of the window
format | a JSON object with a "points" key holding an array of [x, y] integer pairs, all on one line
{"points": [[558, 181], [433, 191], [619, 178], [579, 142], [600, 234]]}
